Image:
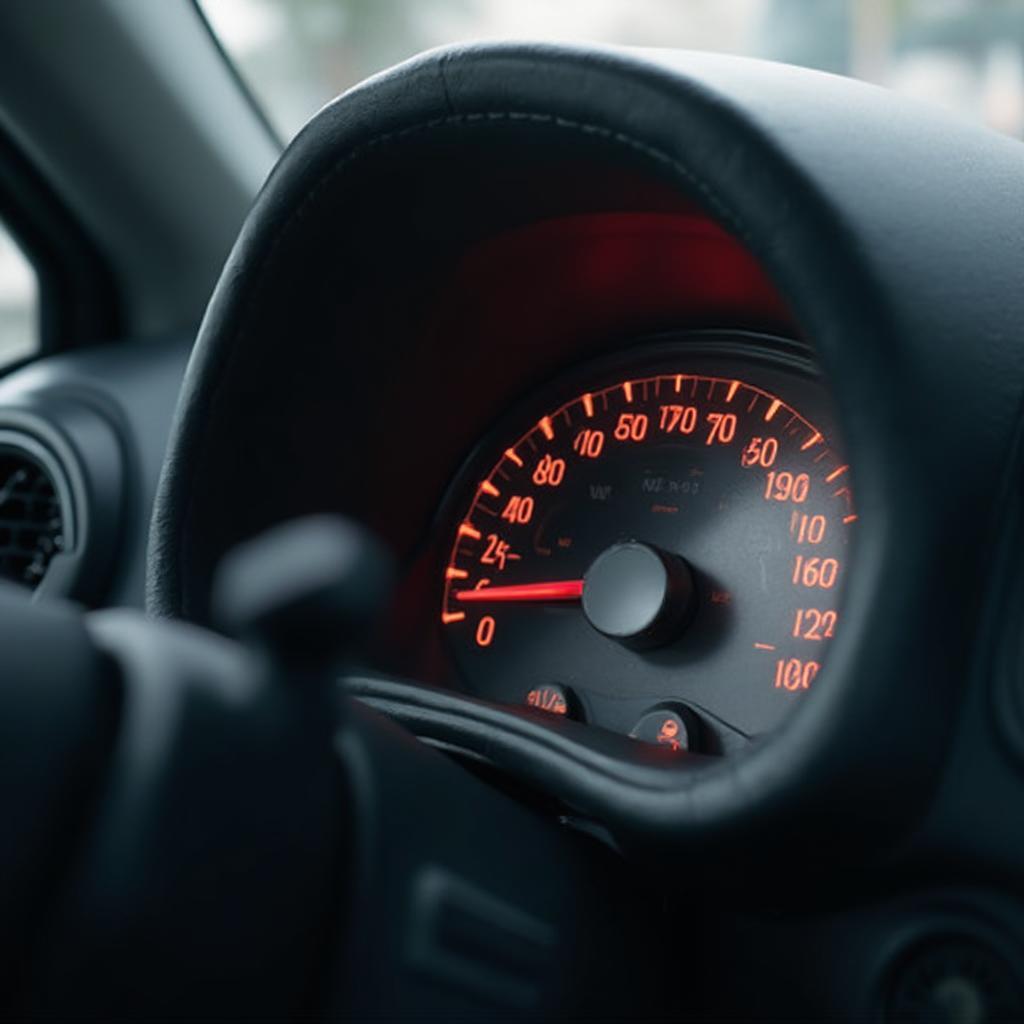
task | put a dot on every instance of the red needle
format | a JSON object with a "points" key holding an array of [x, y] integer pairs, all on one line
{"points": [[560, 590]]}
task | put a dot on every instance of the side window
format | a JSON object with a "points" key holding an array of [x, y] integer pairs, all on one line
{"points": [[19, 302]]}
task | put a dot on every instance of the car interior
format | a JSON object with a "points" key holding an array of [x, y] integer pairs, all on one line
{"points": [[540, 544]]}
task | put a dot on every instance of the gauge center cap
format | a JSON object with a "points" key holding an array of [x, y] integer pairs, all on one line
{"points": [[639, 594]]}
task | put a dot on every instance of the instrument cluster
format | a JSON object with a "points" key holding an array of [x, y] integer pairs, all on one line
{"points": [[655, 544]]}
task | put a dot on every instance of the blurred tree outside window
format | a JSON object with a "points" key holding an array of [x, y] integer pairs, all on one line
{"points": [[967, 55], [19, 300]]}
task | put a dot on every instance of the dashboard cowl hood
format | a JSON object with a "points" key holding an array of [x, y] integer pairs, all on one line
{"points": [[893, 231]]}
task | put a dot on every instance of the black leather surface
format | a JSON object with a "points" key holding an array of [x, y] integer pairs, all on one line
{"points": [[895, 234]]}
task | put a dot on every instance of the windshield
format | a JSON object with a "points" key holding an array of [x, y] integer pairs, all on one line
{"points": [[967, 55]]}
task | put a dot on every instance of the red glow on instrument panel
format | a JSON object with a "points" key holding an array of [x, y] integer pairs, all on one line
{"points": [[570, 277]]}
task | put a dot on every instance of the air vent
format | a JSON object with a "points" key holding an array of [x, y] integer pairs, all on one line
{"points": [[33, 526]]}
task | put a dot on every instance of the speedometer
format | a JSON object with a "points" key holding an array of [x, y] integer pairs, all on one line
{"points": [[661, 552]]}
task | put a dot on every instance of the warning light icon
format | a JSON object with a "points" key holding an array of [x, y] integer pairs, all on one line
{"points": [[552, 699], [673, 728], [668, 734]]}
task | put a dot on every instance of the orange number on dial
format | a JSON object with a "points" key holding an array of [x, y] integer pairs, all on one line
{"points": [[549, 471], [678, 417], [723, 427], [794, 674], [785, 486], [498, 552], [485, 631], [807, 529], [631, 427], [812, 624], [589, 443], [518, 509], [815, 572], [761, 451]]}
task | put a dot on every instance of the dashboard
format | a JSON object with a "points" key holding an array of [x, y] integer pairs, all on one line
{"points": [[687, 394], [583, 539], [651, 421]]}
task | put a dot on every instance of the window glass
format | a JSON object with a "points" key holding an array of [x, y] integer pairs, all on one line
{"points": [[965, 54], [19, 303]]}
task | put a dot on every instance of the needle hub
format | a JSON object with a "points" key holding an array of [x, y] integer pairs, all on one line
{"points": [[639, 595]]}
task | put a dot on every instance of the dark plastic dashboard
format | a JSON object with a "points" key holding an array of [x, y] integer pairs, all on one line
{"points": [[444, 245]]}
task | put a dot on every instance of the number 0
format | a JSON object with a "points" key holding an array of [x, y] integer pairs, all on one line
{"points": [[485, 631]]}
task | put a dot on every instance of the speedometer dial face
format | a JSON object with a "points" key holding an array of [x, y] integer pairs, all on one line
{"points": [[669, 541]]}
